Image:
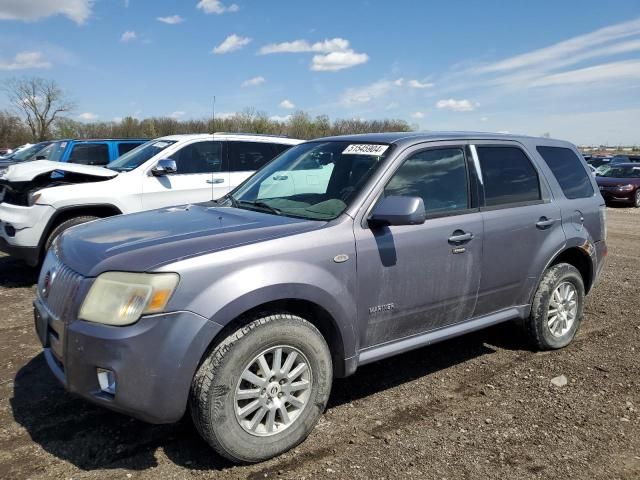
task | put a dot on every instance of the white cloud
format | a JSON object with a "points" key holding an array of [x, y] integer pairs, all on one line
{"points": [[417, 115], [88, 116], [302, 46], [253, 82], [332, 54], [278, 118], [116, 119], [484, 119], [24, 61], [419, 84], [177, 114], [231, 43], [564, 49], [629, 69], [288, 104], [171, 19], [216, 6], [334, 61], [128, 36], [399, 82], [456, 105], [362, 95], [31, 10]]}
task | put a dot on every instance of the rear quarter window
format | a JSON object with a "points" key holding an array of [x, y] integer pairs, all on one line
{"points": [[568, 170]]}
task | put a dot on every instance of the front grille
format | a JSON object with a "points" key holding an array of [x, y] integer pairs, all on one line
{"points": [[58, 287]]}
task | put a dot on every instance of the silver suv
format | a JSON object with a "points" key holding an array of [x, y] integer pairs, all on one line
{"points": [[341, 252]]}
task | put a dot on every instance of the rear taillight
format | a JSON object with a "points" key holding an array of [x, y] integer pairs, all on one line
{"points": [[603, 221]]}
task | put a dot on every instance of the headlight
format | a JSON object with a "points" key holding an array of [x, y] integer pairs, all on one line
{"points": [[118, 298], [625, 188], [33, 198]]}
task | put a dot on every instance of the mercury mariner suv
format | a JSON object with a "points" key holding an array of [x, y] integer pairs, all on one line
{"points": [[39, 200], [341, 252]]}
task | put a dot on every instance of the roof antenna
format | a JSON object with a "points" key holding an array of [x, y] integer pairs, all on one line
{"points": [[213, 116]]}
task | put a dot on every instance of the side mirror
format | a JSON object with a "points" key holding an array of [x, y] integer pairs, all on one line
{"points": [[397, 210], [164, 167]]}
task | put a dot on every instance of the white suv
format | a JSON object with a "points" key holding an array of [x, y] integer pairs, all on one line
{"points": [[39, 200]]}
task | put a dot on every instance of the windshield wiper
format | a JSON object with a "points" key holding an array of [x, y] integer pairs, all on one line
{"points": [[259, 204]]}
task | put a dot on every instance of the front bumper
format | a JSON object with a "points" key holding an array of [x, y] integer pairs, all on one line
{"points": [[154, 360], [30, 255], [613, 196], [29, 224]]}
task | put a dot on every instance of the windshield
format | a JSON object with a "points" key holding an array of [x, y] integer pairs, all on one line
{"points": [[620, 172], [136, 157], [315, 180], [53, 151], [28, 153]]}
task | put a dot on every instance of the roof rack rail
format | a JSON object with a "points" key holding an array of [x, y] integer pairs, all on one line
{"points": [[253, 134]]}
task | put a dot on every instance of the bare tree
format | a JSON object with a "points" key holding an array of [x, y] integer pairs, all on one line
{"points": [[39, 102]]}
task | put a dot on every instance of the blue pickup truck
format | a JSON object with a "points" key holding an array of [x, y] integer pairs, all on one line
{"points": [[88, 152]]}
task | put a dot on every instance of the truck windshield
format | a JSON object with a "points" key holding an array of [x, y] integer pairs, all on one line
{"points": [[136, 157], [53, 152], [315, 180]]}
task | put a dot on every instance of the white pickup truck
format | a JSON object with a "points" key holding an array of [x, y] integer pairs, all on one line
{"points": [[39, 200]]}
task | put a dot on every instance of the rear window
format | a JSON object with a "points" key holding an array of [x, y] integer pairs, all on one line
{"points": [[568, 170], [509, 177], [90, 154]]}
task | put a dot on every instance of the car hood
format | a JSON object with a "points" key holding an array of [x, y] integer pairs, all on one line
{"points": [[144, 241], [612, 181], [27, 171]]}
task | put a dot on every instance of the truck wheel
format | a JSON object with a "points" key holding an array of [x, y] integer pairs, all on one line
{"points": [[262, 389], [556, 312], [67, 224]]}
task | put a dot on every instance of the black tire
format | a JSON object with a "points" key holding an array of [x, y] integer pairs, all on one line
{"points": [[636, 202], [537, 327], [67, 224], [213, 402]]}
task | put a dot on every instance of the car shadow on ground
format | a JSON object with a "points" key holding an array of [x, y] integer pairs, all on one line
{"points": [[16, 274], [93, 438]]}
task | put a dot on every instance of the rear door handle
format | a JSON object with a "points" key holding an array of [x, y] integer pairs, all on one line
{"points": [[543, 223], [215, 181], [459, 237]]}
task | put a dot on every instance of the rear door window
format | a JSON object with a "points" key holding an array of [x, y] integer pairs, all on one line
{"points": [[90, 154], [568, 170], [249, 156], [509, 177]]}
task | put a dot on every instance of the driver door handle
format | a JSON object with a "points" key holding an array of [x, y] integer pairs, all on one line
{"points": [[459, 237], [543, 223], [215, 181]]}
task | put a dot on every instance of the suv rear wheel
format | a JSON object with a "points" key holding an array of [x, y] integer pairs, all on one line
{"points": [[262, 389], [556, 312]]}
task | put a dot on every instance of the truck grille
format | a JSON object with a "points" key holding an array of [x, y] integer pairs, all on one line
{"points": [[57, 288]]}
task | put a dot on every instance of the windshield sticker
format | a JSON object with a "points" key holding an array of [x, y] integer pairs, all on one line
{"points": [[63, 144], [365, 149], [161, 144]]}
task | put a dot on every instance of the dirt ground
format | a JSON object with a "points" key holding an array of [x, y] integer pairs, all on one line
{"points": [[480, 406]]}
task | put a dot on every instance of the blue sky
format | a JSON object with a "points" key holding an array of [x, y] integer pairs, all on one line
{"points": [[570, 68]]}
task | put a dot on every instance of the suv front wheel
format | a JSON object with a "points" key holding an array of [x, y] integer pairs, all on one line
{"points": [[262, 389], [556, 312]]}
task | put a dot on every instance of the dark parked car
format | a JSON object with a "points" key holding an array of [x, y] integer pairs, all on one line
{"points": [[620, 183], [616, 159], [340, 252], [23, 155], [598, 161]]}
